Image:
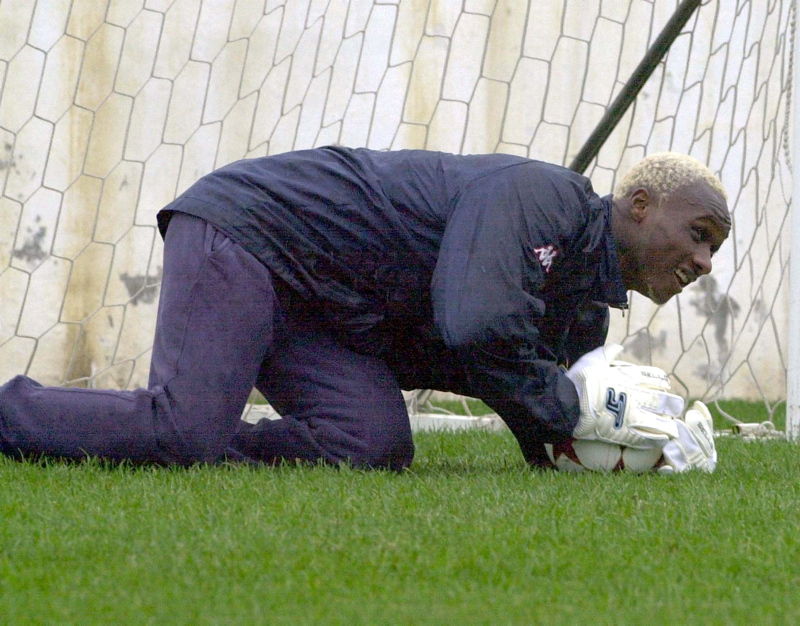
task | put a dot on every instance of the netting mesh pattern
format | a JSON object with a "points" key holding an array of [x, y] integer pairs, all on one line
{"points": [[110, 108]]}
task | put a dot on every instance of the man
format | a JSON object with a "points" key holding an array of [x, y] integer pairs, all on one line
{"points": [[329, 279]]}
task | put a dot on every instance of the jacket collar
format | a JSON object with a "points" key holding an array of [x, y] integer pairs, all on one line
{"points": [[609, 287]]}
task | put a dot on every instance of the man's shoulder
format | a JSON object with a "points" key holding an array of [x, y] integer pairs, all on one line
{"points": [[558, 175]]}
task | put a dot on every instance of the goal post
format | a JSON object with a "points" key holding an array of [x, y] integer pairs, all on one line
{"points": [[793, 370], [110, 108]]}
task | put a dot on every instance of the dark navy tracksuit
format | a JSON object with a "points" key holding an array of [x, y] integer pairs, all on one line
{"points": [[329, 279]]}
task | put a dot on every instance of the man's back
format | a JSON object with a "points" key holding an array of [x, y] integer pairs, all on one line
{"points": [[341, 225]]}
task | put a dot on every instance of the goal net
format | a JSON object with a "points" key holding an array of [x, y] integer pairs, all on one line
{"points": [[110, 108]]}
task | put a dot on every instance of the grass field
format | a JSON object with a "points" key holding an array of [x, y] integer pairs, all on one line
{"points": [[468, 535]]}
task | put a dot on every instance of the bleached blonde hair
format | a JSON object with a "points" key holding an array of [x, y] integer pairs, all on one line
{"points": [[663, 173]]}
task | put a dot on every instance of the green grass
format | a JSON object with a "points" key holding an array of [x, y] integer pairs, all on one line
{"points": [[747, 411], [468, 535]]}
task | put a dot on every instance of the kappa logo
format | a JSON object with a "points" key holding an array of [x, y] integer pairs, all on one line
{"points": [[616, 406], [546, 256]]}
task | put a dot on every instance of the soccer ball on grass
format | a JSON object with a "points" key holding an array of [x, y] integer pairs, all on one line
{"points": [[578, 455]]}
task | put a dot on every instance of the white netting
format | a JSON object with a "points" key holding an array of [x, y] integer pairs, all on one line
{"points": [[109, 109]]}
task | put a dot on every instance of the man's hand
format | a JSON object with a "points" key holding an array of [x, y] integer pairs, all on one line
{"points": [[622, 403], [694, 446]]}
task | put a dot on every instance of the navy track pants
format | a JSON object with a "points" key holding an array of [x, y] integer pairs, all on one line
{"points": [[221, 330]]}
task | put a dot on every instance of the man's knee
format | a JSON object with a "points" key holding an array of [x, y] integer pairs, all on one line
{"points": [[394, 453], [186, 441]]}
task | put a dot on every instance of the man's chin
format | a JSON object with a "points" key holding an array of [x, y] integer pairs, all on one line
{"points": [[655, 297]]}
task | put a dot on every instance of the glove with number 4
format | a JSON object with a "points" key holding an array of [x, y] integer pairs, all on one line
{"points": [[694, 447], [622, 403]]}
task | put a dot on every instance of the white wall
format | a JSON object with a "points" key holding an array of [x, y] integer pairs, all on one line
{"points": [[111, 108]]}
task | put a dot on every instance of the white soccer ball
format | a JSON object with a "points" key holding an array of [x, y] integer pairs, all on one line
{"points": [[578, 455]]}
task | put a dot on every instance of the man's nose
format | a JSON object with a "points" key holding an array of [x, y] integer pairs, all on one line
{"points": [[702, 260]]}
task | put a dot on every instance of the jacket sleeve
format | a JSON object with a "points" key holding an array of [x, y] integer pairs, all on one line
{"points": [[588, 330], [503, 235]]}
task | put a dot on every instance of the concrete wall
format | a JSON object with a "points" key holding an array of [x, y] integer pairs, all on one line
{"points": [[110, 108]]}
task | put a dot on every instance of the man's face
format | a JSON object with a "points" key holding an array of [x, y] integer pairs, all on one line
{"points": [[675, 241]]}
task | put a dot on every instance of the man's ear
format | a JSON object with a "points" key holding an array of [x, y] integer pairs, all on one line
{"points": [[640, 200]]}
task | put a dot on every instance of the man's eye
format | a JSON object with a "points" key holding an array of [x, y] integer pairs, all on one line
{"points": [[701, 235]]}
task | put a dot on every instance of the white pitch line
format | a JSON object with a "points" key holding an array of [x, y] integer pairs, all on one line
{"points": [[419, 421]]}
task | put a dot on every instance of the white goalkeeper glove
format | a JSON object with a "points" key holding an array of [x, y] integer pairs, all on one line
{"points": [[629, 405], [694, 446]]}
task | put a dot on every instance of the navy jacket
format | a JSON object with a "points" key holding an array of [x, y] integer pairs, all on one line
{"points": [[475, 274]]}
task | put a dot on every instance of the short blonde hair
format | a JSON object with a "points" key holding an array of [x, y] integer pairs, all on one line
{"points": [[663, 173]]}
